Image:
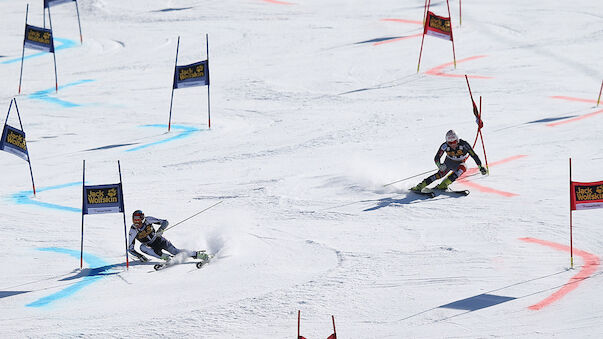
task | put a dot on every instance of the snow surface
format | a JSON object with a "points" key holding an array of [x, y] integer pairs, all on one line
{"points": [[313, 112]]}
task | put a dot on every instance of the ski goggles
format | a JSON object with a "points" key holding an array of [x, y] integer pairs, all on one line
{"points": [[138, 220]]}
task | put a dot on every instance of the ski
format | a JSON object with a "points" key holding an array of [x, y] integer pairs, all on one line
{"points": [[166, 264], [425, 192], [448, 190]]}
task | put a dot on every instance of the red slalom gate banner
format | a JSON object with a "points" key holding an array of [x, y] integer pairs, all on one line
{"points": [[586, 195], [583, 196], [438, 26]]}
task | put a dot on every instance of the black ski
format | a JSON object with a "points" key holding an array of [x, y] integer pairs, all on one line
{"points": [[448, 190], [166, 264], [426, 192]]}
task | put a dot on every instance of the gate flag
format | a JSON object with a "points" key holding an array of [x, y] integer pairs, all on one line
{"points": [[586, 195], [195, 74], [102, 199], [13, 141], [192, 75], [438, 26], [39, 38], [47, 3]]}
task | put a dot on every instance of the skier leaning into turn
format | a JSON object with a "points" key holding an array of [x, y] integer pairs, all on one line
{"points": [[457, 151], [152, 242]]}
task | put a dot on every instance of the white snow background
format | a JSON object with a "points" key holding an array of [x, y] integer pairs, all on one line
{"points": [[313, 112]]}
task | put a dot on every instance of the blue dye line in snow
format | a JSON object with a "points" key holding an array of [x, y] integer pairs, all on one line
{"points": [[187, 131], [44, 95], [23, 198], [65, 43], [88, 279]]}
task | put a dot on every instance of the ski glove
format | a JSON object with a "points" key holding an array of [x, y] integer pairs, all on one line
{"points": [[483, 170], [164, 225], [442, 167]]}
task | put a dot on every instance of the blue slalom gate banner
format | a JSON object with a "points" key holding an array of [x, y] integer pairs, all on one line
{"points": [[192, 75], [13, 141], [39, 38], [196, 74], [102, 199], [47, 3]]}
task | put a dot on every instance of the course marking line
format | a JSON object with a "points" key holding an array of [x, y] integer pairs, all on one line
{"points": [[186, 132], [437, 71], [405, 21], [573, 99], [23, 198], [43, 95], [279, 2], [553, 124], [464, 180], [92, 275], [591, 263], [65, 43]]}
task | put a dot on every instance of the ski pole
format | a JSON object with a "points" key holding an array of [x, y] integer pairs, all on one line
{"points": [[414, 176], [180, 222]]}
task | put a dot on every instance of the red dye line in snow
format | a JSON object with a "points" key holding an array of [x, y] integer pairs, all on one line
{"points": [[397, 39], [404, 21], [553, 124], [438, 70], [488, 189], [573, 99], [485, 189], [278, 2], [591, 262]]}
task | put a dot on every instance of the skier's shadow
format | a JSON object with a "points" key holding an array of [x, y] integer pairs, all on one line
{"points": [[411, 198], [102, 270]]}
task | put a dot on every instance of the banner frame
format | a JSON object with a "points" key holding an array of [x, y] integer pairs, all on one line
{"points": [[425, 14], [208, 82], [22, 130], [123, 212], [77, 11], [56, 81], [570, 216], [173, 84]]}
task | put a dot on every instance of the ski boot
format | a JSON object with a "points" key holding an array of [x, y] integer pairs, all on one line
{"points": [[444, 184], [201, 255], [166, 257], [420, 186], [204, 257]]}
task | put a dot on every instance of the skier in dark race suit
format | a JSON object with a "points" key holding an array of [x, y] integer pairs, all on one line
{"points": [[457, 151], [152, 242]]}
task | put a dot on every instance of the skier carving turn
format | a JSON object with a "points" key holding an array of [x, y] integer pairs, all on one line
{"points": [[152, 242], [457, 151]]}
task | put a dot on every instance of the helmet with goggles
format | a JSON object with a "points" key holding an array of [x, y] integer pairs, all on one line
{"points": [[452, 139], [138, 217]]}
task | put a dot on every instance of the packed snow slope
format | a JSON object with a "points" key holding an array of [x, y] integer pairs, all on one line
{"points": [[315, 106]]}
